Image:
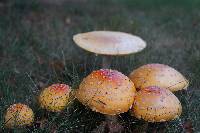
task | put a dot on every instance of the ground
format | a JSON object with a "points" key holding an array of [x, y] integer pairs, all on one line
{"points": [[36, 50]]}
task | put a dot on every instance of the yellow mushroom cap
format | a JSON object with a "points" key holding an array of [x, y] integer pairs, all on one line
{"points": [[154, 104], [55, 98], [158, 75], [106, 91], [109, 42], [18, 115]]}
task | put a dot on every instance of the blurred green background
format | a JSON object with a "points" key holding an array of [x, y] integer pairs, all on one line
{"points": [[36, 50]]}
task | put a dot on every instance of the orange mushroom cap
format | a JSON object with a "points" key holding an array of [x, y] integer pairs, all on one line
{"points": [[55, 98], [107, 91], [158, 75], [18, 115], [154, 104]]}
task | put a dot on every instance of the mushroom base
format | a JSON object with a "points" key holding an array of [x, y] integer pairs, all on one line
{"points": [[110, 125], [106, 62]]}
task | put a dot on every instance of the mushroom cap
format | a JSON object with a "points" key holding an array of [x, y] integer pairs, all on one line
{"points": [[154, 104], [55, 97], [106, 91], [158, 75], [109, 42], [18, 115]]}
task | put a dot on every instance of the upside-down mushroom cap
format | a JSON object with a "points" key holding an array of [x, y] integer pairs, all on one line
{"points": [[158, 75], [107, 91], [55, 97], [154, 104], [18, 115], [109, 42]]}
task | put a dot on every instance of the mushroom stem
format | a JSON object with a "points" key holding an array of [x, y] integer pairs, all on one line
{"points": [[156, 127], [145, 126], [111, 118], [112, 125], [106, 62], [109, 125]]}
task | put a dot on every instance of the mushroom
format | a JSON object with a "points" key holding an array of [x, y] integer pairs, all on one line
{"points": [[109, 43], [108, 92], [158, 75], [55, 97], [154, 104], [18, 115]]}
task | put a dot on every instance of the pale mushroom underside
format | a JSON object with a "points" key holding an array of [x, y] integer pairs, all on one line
{"points": [[109, 42]]}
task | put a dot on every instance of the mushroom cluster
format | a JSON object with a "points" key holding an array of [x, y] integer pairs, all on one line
{"points": [[54, 98], [110, 92], [154, 100], [147, 92]]}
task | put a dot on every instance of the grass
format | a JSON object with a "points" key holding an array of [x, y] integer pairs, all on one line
{"points": [[36, 50]]}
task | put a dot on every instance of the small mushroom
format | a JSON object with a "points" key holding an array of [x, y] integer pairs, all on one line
{"points": [[154, 104], [109, 43], [55, 98], [18, 115], [106, 91], [158, 75]]}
